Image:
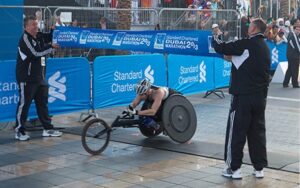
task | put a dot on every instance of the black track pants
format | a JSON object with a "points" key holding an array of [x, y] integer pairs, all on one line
{"points": [[246, 121], [28, 92], [292, 72]]}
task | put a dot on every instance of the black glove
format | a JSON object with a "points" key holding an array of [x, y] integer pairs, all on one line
{"points": [[125, 112]]}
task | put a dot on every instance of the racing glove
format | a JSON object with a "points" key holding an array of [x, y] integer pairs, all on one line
{"points": [[132, 111]]}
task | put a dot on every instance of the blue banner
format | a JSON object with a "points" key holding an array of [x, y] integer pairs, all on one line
{"points": [[278, 53], [12, 20], [222, 72], [190, 74], [115, 77], [9, 96], [191, 42], [69, 84], [69, 87]]}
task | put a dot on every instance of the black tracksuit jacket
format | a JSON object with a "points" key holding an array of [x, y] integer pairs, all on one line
{"points": [[29, 67], [293, 48], [253, 74]]}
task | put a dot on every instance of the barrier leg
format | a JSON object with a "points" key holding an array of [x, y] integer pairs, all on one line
{"points": [[89, 114], [216, 92]]}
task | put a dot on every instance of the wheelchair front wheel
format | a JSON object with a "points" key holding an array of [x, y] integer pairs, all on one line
{"points": [[95, 136]]}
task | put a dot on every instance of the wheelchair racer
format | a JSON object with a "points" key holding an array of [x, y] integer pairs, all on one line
{"points": [[153, 97]]}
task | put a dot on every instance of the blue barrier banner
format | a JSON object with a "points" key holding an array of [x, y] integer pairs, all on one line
{"points": [[12, 20], [69, 87], [278, 53], [222, 73], [69, 84], [190, 74], [9, 96], [115, 77], [175, 42]]}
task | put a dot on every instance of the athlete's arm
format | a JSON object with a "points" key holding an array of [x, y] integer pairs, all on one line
{"points": [[158, 97], [136, 101]]}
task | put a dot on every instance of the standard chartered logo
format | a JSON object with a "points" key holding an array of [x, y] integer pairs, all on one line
{"points": [[57, 87], [192, 74], [274, 55], [123, 80], [149, 74], [202, 68]]}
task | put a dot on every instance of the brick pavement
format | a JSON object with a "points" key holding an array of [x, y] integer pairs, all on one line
{"points": [[62, 162]]}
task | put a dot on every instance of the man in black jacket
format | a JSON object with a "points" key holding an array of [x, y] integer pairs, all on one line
{"points": [[293, 56], [30, 74], [249, 86]]}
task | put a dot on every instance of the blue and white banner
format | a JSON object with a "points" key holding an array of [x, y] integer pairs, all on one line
{"points": [[222, 73], [190, 74], [278, 53], [115, 77], [12, 20], [69, 87], [9, 96], [176, 42]]}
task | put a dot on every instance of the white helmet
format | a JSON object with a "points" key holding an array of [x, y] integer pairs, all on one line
{"points": [[143, 86]]}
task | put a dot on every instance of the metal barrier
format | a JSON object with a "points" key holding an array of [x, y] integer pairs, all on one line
{"points": [[138, 3], [90, 16], [194, 19]]}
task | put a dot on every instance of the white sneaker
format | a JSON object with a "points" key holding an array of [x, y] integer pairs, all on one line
{"points": [[227, 172], [51, 133], [258, 173], [21, 137], [237, 174]]}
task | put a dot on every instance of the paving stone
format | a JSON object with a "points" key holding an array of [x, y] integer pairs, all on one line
{"points": [[200, 184]]}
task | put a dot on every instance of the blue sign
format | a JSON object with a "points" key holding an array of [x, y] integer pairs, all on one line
{"points": [[222, 73], [115, 77], [9, 96], [190, 74], [278, 53], [175, 42], [69, 87], [12, 20]]}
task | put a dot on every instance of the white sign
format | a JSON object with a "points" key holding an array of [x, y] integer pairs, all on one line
{"points": [[66, 17]]}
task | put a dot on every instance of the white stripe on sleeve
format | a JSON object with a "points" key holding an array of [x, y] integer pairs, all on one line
{"points": [[23, 56], [33, 51]]}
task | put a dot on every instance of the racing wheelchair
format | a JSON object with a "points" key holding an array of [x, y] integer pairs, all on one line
{"points": [[177, 119]]}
